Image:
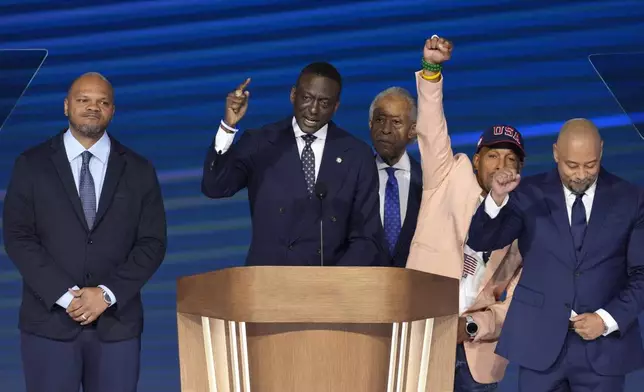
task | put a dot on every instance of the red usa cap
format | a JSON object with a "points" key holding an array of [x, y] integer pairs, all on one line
{"points": [[502, 134]]}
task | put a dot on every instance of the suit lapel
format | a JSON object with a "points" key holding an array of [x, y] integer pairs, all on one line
{"points": [[289, 166], [288, 160], [599, 209], [413, 205], [556, 202], [333, 169], [62, 165], [115, 167]]}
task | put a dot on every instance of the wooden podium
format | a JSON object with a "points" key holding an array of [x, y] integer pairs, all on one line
{"points": [[317, 329]]}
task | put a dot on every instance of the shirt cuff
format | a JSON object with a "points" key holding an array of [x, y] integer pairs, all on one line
{"points": [[223, 139], [491, 209], [66, 298], [609, 322], [109, 294]]}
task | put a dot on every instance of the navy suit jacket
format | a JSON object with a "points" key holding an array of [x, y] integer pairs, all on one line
{"points": [[47, 237], [285, 220], [401, 251], [608, 273]]}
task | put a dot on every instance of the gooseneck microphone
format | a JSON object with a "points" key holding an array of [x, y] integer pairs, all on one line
{"points": [[321, 191]]}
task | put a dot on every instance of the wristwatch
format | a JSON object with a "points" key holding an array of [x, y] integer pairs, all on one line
{"points": [[471, 327], [106, 297]]}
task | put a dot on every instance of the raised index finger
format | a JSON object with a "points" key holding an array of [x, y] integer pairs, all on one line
{"points": [[243, 85]]}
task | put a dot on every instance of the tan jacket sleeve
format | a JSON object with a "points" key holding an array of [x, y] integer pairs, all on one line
{"points": [[434, 143]]}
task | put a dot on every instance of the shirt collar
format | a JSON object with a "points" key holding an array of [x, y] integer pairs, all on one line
{"points": [[319, 134], [403, 163], [590, 192], [100, 150]]}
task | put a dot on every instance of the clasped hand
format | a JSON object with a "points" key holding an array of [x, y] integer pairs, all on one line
{"points": [[88, 304], [589, 326]]}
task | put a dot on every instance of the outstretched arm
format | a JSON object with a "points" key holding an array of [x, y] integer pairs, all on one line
{"points": [[434, 143]]}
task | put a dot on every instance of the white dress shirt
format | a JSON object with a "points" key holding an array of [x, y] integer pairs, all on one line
{"points": [[493, 211], [470, 283], [403, 175], [97, 167], [223, 141]]}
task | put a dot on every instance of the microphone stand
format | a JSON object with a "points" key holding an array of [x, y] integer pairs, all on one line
{"points": [[320, 192]]}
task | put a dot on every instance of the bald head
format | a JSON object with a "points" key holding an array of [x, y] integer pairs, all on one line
{"points": [[579, 130], [90, 78], [578, 154]]}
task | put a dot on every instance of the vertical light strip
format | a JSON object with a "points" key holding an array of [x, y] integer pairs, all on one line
{"points": [[235, 355], [402, 353], [392, 357], [424, 359], [244, 356], [210, 357]]}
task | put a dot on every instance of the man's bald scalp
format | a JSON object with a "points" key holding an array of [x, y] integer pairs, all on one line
{"points": [[578, 128], [90, 75]]}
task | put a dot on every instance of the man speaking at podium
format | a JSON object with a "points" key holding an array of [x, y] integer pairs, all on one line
{"points": [[309, 182]]}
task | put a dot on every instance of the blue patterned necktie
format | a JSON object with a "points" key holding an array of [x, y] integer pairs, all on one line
{"points": [[392, 210], [87, 191], [578, 223], [308, 162]]}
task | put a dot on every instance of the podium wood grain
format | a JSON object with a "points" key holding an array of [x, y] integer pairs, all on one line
{"points": [[270, 329]]}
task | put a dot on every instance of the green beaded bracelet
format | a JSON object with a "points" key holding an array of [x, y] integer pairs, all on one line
{"points": [[431, 67]]}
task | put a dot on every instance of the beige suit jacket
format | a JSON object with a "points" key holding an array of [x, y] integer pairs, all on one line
{"points": [[450, 198]]}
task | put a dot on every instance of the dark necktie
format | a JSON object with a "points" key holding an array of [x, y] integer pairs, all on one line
{"points": [[578, 222], [87, 191], [308, 162], [392, 210]]}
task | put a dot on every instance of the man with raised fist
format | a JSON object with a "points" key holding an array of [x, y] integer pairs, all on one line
{"points": [[298, 171], [453, 186], [573, 324]]}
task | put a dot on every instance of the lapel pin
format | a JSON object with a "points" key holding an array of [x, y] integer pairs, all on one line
{"points": [[338, 159]]}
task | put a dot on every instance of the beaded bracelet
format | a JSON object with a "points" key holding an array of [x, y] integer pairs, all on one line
{"points": [[431, 67]]}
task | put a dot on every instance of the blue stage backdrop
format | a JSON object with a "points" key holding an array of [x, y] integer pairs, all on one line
{"points": [[523, 63]]}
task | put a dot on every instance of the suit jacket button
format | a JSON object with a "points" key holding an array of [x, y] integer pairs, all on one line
{"points": [[89, 241], [281, 210], [319, 251], [577, 274], [88, 276], [333, 219], [290, 247]]}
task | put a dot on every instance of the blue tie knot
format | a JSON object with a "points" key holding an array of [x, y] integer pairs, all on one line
{"points": [[308, 139], [391, 172], [86, 157]]}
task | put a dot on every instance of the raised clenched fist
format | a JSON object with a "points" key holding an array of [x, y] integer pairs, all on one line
{"points": [[236, 104], [437, 50], [504, 181]]}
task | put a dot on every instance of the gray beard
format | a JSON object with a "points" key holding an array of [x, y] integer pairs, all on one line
{"points": [[90, 131]]}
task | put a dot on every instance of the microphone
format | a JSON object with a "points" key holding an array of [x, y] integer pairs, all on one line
{"points": [[321, 191]]}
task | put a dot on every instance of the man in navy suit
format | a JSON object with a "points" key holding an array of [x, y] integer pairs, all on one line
{"points": [[392, 121], [573, 323], [84, 223], [299, 171]]}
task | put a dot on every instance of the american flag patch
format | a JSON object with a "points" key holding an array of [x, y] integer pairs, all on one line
{"points": [[469, 265]]}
